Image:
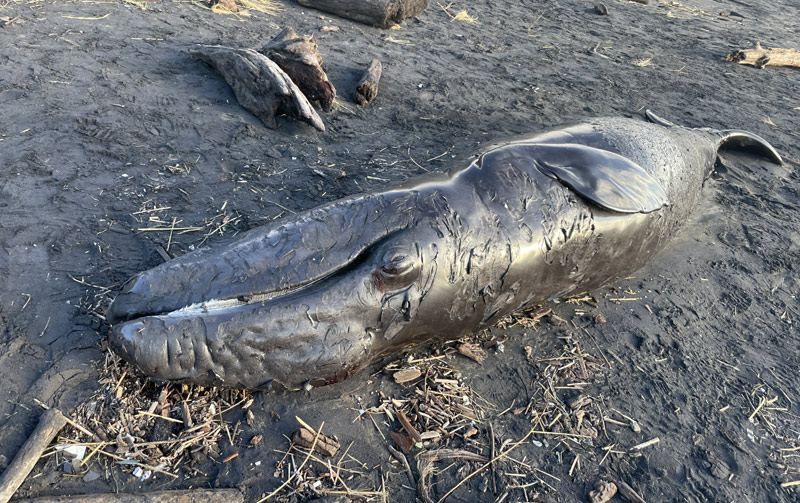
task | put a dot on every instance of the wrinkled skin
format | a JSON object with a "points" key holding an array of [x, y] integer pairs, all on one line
{"points": [[318, 296]]}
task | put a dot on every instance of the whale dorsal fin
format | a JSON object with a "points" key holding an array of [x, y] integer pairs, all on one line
{"points": [[604, 178]]}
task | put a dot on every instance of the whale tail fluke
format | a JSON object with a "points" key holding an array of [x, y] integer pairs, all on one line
{"points": [[730, 138]]}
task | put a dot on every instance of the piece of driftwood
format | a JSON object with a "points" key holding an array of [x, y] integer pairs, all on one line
{"points": [[381, 13], [259, 84], [188, 496], [50, 423], [327, 446], [628, 493], [761, 57], [299, 57], [367, 88]]}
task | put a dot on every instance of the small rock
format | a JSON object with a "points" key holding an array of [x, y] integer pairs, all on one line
{"points": [[603, 491], [599, 318], [471, 432], [3, 462], [250, 418], [256, 440], [330, 28], [91, 476], [601, 9]]}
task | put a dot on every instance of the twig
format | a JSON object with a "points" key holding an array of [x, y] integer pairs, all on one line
{"points": [[493, 460], [296, 471]]}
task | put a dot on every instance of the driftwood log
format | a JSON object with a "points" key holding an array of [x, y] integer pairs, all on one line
{"points": [[367, 88], [299, 58], [189, 496], [761, 57], [259, 84], [381, 13], [49, 425]]}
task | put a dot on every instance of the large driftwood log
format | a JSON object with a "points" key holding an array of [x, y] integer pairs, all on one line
{"points": [[189, 496], [381, 13], [760, 57], [299, 58], [259, 84], [49, 425], [367, 88]]}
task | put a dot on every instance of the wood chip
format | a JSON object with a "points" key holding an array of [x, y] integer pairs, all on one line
{"points": [[404, 442], [406, 375], [472, 351], [327, 446]]}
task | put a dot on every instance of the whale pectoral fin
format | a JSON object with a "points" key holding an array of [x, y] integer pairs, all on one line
{"points": [[604, 178]]}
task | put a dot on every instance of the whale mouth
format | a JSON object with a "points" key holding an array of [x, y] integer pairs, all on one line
{"points": [[213, 306]]}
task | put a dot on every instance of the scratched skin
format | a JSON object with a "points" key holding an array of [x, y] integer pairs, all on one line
{"points": [[439, 257]]}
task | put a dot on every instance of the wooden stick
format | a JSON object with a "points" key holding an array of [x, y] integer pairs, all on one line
{"points": [[381, 13], [367, 88], [628, 493], [50, 423], [189, 496], [760, 57]]}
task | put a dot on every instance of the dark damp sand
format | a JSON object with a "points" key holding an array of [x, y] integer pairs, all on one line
{"points": [[101, 117]]}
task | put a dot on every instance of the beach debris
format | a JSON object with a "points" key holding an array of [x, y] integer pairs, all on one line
{"points": [[648, 443], [601, 9], [404, 442], [380, 13], [259, 84], [426, 466], [603, 491], [180, 496], [325, 445], [309, 475], [91, 476], [761, 57], [399, 456], [228, 5], [472, 351], [406, 374], [140, 426], [628, 493], [461, 15], [50, 423], [367, 87], [299, 57]]}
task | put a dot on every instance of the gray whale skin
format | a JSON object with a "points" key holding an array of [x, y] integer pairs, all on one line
{"points": [[315, 297]]}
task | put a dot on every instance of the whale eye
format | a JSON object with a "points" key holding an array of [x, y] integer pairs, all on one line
{"points": [[396, 262], [398, 268]]}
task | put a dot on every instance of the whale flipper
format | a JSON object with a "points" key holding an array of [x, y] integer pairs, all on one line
{"points": [[604, 178]]}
